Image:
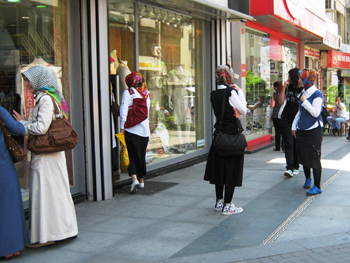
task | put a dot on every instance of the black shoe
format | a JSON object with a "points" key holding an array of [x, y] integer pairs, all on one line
{"points": [[348, 138]]}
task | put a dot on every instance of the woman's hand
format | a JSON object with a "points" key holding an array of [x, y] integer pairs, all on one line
{"points": [[303, 97], [294, 134], [122, 131], [235, 87], [237, 113], [17, 116]]}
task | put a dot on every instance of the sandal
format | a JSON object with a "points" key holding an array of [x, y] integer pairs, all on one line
{"points": [[10, 256], [274, 148]]}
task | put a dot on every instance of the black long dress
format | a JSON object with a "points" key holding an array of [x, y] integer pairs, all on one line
{"points": [[224, 170]]}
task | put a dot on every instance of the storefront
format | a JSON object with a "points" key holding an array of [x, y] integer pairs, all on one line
{"points": [[89, 46], [37, 33], [276, 43], [336, 66]]}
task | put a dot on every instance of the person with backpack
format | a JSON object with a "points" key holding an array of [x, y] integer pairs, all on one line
{"points": [[134, 123]]}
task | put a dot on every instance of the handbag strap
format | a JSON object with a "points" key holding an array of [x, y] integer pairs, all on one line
{"points": [[2, 123], [223, 108], [57, 111]]}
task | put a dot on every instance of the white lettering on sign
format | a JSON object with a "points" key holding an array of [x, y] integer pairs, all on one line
{"points": [[296, 8]]}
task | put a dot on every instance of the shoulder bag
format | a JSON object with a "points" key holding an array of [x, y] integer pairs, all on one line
{"points": [[60, 137], [137, 113], [229, 144], [16, 152]]}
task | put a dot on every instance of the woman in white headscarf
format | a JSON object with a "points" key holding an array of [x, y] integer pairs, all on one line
{"points": [[52, 212]]}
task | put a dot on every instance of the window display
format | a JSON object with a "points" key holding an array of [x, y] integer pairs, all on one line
{"points": [[32, 34], [170, 59]]}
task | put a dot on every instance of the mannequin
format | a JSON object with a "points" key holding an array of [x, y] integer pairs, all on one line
{"points": [[179, 100], [118, 68]]}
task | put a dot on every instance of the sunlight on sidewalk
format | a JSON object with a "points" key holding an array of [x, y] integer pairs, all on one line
{"points": [[343, 164]]}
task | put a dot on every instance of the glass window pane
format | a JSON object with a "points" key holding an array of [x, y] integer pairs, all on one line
{"points": [[32, 35], [170, 58], [257, 82]]}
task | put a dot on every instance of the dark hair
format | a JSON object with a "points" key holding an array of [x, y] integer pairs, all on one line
{"points": [[279, 86], [294, 77]]}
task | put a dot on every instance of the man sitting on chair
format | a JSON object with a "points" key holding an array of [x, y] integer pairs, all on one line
{"points": [[339, 115]]}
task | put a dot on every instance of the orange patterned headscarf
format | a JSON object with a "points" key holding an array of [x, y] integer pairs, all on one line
{"points": [[308, 76], [137, 81]]}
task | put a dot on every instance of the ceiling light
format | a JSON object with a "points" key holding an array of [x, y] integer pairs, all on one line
{"points": [[165, 16]]}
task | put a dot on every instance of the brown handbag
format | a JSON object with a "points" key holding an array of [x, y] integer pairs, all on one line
{"points": [[59, 137], [16, 152]]}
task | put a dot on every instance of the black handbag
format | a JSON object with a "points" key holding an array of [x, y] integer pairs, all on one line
{"points": [[229, 144]]}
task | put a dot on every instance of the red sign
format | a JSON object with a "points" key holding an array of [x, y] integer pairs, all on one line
{"points": [[243, 70], [275, 48], [281, 11], [29, 103], [338, 59], [312, 53]]}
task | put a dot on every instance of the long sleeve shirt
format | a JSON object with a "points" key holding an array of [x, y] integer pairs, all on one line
{"points": [[237, 100], [141, 129], [314, 109]]}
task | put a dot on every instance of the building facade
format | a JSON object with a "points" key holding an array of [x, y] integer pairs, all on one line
{"points": [[285, 35], [91, 45]]}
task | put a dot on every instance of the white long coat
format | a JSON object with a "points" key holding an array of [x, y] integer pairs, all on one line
{"points": [[52, 212]]}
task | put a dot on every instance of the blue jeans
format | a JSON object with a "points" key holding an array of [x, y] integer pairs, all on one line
{"points": [[337, 123]]}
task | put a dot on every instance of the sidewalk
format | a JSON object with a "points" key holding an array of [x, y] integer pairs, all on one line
{"points": [[172, 219]]}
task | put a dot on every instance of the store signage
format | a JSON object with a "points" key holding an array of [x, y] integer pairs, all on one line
{"points": [[345, 48], [331, 38], [338, 60], [312, 53], [29, 103], [296, 8], [243, 70]]}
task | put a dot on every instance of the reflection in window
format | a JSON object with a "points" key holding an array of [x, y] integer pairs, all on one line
{"points": [[171, 61], [257, 82]]}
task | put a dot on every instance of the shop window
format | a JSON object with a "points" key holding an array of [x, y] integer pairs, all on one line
{"points": [[258, 81], [171, 61], [32, 34]]}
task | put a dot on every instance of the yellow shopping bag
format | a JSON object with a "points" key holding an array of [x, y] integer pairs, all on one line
{"points": [[124, 156]]}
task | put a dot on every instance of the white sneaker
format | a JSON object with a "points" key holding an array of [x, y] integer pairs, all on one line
{"points": [[219, 205], [295, 171], [230, 209], [288, 173], [142, 185], [135, 184]]}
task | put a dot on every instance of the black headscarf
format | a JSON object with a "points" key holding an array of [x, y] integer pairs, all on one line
{"points": [[294, 77]]}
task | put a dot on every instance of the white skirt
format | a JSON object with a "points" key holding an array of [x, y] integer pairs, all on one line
{"points": [[52, 212]]}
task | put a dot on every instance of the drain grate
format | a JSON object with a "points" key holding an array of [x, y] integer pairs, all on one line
{"points": [[286, 223], [151, 188]]}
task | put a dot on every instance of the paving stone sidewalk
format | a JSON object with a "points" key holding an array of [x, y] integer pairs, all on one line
{"points": [[173, 220]]}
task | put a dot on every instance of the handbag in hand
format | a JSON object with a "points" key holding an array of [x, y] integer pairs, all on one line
{"points": [[229, 144], [16, 152], [115, 109], [59, 137]]}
